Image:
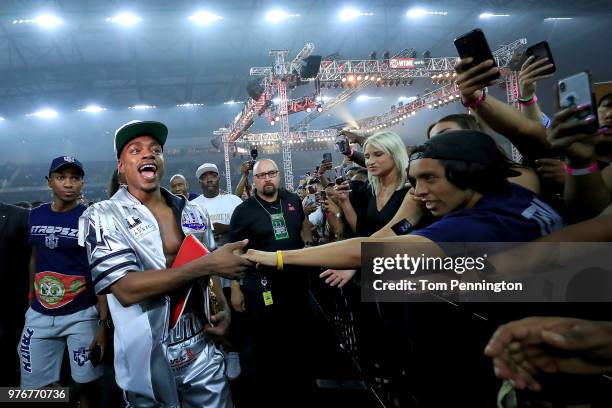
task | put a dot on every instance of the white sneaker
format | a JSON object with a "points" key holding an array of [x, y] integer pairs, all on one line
{"points": [[232, 365]]}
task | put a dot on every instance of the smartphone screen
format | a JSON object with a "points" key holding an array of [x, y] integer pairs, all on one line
{"points": [[339, 173], [327, 157], [539, 51], [576, 91], [474, 44], [310, 199], [312, 189]]}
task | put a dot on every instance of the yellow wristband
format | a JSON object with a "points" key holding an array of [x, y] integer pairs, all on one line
{"points": [[279, 260]]}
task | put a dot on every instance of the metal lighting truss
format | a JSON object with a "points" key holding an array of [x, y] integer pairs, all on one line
{"points": [[275, 80], [336, 70]]}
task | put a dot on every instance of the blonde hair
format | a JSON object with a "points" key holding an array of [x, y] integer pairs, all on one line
{"points": [[391, 144]]}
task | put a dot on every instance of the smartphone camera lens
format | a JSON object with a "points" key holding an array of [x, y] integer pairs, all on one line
{"points": [[562, 86]]}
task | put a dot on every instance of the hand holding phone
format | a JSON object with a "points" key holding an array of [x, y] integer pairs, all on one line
{"points": [[538, 65], [340, 175], [343, 145], [574, 126], [576, 92], [474, 45]]}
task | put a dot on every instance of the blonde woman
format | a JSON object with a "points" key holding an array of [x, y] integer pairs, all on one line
{"points": [[371, 208]]}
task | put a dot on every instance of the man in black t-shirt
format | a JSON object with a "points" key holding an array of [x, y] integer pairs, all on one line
{"points": [[275, 302]]}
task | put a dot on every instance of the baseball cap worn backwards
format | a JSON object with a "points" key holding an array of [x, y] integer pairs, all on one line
{"points": [[137, 128], [467, 146]]}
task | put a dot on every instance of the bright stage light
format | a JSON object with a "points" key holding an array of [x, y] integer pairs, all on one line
{"points": [[125, 19], [43, 20], [44, 113], [351, 78], [142, 107], [343, 79], [204, 18], [276, 16], [351, 14], [416, 13], [189, 105], [557, 18], [419, 12], [48, 21], [319, 109], [490, 15], [92, 109]]}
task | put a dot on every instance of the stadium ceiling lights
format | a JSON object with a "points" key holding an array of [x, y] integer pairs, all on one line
{"points": [[351, 14], [125, 19], [44, 20], [189, 105], [557, 18], [491, 15], [419, 12], [276, 16], [142, 107], [44, 113], [204, 18], [232, 102], [2, 119], [92, 109]]}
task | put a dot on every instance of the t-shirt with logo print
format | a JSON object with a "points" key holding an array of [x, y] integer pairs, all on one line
{"points": [[516, 215], [62, 279]]}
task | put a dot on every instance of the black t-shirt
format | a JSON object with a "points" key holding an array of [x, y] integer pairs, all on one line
{"points": [[251, 220], [369, 219]]}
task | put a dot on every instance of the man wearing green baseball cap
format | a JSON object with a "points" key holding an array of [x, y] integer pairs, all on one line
{"points": [[132, 241]]}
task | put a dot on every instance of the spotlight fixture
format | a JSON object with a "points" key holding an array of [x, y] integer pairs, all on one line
{"points": [[92, 109], [204, 18], [125, 19]]}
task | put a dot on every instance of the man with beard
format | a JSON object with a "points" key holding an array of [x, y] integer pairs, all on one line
{"points": [[179, 186], [273, 354], [132, 239], [64, 310]]}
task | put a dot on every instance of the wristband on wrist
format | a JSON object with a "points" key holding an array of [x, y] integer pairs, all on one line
{"points": [[580, 172], [528, 101], [279, 260], [477, 103]]}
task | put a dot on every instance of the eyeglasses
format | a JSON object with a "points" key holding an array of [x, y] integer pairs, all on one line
{"points": [[270, 174]]}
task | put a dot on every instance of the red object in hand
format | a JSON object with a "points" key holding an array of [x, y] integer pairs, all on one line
{"points": [[190, 250]]}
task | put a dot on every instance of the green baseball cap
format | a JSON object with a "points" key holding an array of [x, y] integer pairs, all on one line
{"points": [[137, 128]]}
